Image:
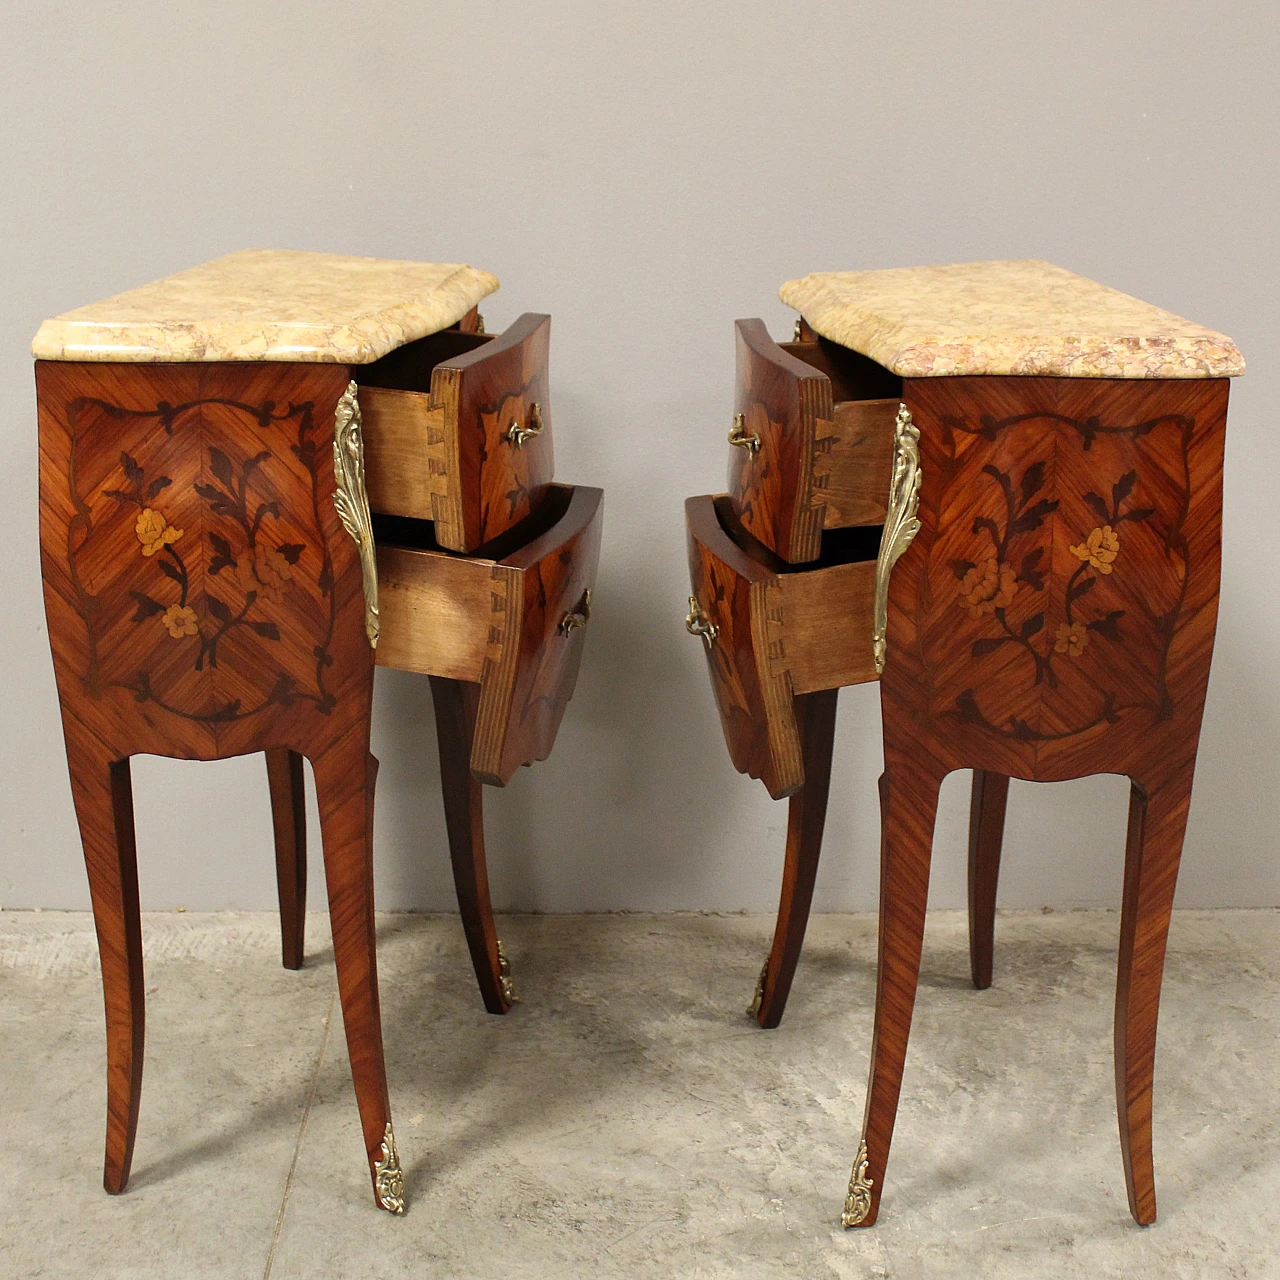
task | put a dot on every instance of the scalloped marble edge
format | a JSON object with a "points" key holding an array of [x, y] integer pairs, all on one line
{"points": [[77, 335], [908, 349]]}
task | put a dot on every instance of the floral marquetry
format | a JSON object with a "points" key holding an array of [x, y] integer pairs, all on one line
{"points": [[226, 607], [1058, 558]]}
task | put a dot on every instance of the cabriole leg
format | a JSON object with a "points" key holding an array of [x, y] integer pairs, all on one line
{"points": [[909, 807], [289, 823], [104, 809], [1157, 823], [456, 702], [345, 778], [806, 816], [986, 834]]}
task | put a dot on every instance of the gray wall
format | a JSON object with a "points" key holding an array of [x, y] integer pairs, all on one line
{"points": [[646, 173]]}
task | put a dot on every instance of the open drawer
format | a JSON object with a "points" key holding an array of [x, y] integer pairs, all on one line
{"points": [[457, 430], [813, 430], [510, 619], [772, 631]]}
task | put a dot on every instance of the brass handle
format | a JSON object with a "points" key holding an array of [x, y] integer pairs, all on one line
{"points": [[900, 524], [580, 616], [517, 434], [739, 438], [698, 624]]}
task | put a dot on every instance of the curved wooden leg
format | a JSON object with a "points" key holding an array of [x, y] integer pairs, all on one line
{"points": [[1157, 823], [289, 822], [455, 703], [806, 815], [908, 807], [986, 834], [104, 809], [345, 778]]}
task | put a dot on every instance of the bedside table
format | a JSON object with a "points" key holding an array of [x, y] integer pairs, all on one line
{"points": [[219, 578], [1044, 456]]}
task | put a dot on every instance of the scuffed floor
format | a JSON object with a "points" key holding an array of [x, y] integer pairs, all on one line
{"points": [[627, 1119]]}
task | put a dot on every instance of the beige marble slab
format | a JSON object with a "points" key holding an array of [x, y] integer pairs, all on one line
{"points": [[270, 304], [1021, 317]]}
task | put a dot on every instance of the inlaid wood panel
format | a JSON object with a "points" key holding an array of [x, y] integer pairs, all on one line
{"points": [[199, 585], [734, 593], [204, 601], [458, 440], [1055, 615], [1054, 618]]}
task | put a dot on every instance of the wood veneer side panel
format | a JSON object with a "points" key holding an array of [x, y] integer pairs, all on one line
{"points": [[406, 460], [853, 463], [436, 612], [828, 622]]}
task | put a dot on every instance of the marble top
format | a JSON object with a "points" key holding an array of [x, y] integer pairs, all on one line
{"points": [[1023, 317], [270, 304]]}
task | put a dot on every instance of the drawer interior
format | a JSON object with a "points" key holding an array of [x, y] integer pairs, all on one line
{"points": [[409, 368], [854, 545], [420, 535], [853, 376]]}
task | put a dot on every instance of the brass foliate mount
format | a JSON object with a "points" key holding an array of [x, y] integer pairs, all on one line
{"points": [[857, 1201], [517, 435], [352, 502], [504, 977], [578, 617], [758, 999], [900, 525], [697, 623], [739, 438], [388, 1180]]}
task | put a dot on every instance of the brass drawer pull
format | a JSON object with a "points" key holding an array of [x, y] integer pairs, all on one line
{"points": [[739, 438], [580, 616], [517, 434], [698, 624]]}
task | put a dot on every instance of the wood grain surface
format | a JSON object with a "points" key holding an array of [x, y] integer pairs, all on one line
{"points": [[204, 601], [529, 680], [437, 418], [1053, 619], [782, 631], [786, 405], [456, 702], [806, 815]]}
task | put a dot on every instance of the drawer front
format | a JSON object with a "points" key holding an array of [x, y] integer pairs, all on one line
{"points": [[781, 406], [513, 625], [778, 632], [470, 450], [529, 682], [815, 439], [732, 595]]}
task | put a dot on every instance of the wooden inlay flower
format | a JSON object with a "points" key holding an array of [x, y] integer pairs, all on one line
{"points": [[155, 532], [1099, 549], [988, 586]]}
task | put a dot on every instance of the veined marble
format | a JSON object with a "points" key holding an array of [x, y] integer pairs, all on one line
{"points": [[270, 304], [1021, 317]]}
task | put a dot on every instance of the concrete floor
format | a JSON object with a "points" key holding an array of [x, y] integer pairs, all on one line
{"points": [[627, 1120]]}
